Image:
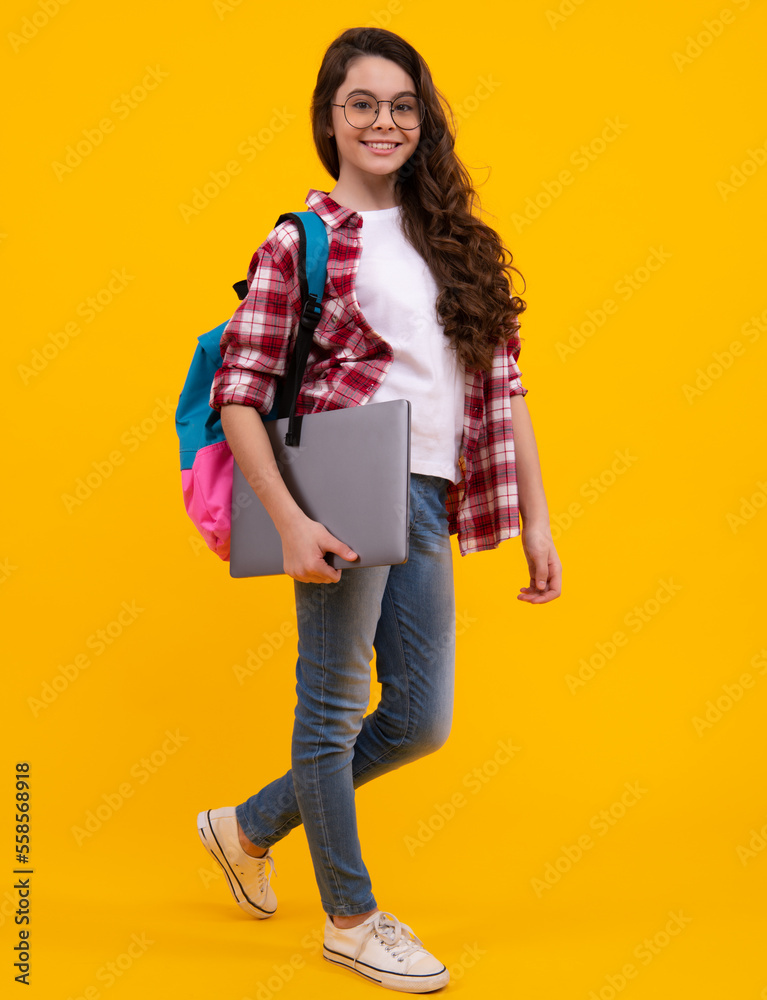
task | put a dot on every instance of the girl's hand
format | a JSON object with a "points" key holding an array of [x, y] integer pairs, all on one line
{"points": [[545, 567], [304, 545]]}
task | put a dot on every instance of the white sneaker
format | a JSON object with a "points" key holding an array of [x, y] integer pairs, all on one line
{"points": [[246, 876], [385, 951]]}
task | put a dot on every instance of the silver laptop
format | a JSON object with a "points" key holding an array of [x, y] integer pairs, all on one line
{"points": [[351, 472]]}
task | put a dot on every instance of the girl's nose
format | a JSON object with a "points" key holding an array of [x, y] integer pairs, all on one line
{"points": [[384, 118]]}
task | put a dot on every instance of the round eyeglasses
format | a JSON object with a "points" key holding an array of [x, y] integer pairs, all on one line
{"points": [[361, 111]]}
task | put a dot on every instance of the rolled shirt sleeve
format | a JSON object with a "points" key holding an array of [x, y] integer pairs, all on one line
{"points": [[513, 347], [255, 342]]}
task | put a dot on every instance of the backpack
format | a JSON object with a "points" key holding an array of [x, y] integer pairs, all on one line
{"points": [[207, 464]]}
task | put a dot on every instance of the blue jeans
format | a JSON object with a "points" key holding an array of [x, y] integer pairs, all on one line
{"points": [[407, 613]]}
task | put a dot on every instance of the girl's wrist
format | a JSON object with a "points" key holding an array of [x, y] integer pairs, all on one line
{"points": [[289, 519], [538, 521]]}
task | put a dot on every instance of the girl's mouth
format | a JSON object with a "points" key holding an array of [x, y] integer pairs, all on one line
{"points": [[382, 147]]}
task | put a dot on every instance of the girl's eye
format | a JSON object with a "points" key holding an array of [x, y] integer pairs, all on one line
{"points": [[404, 106], [362, 104]]}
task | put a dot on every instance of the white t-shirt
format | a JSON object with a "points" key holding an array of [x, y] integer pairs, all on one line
{"points": [[397, 295]]}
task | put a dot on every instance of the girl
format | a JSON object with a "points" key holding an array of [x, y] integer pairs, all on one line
{"points": [[417, 306]]}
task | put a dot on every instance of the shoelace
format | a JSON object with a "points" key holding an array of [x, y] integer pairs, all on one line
{"points": [[263, 878], [399, 939], [262, 873]]}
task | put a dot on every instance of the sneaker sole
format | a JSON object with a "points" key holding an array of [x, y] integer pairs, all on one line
{"points": [[405, 984], [213, 847]]}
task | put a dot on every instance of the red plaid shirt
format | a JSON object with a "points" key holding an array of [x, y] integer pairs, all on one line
{"points": [[349, 360]]}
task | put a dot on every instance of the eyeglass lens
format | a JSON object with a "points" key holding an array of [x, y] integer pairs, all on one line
{"points": [[361, 111]]}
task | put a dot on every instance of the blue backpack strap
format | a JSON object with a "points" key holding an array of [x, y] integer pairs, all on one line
{"points": [[313, 251]]}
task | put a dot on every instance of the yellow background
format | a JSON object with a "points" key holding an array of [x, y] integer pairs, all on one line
{"points": [[683, 508]]}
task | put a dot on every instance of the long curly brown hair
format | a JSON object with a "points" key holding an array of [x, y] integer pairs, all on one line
{"points": [[467, 258]]}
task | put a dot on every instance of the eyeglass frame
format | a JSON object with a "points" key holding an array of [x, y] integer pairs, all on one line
{"points": [[378, 110]]}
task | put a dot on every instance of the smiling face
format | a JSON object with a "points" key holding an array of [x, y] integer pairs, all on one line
{"points": [[370, 157]]}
